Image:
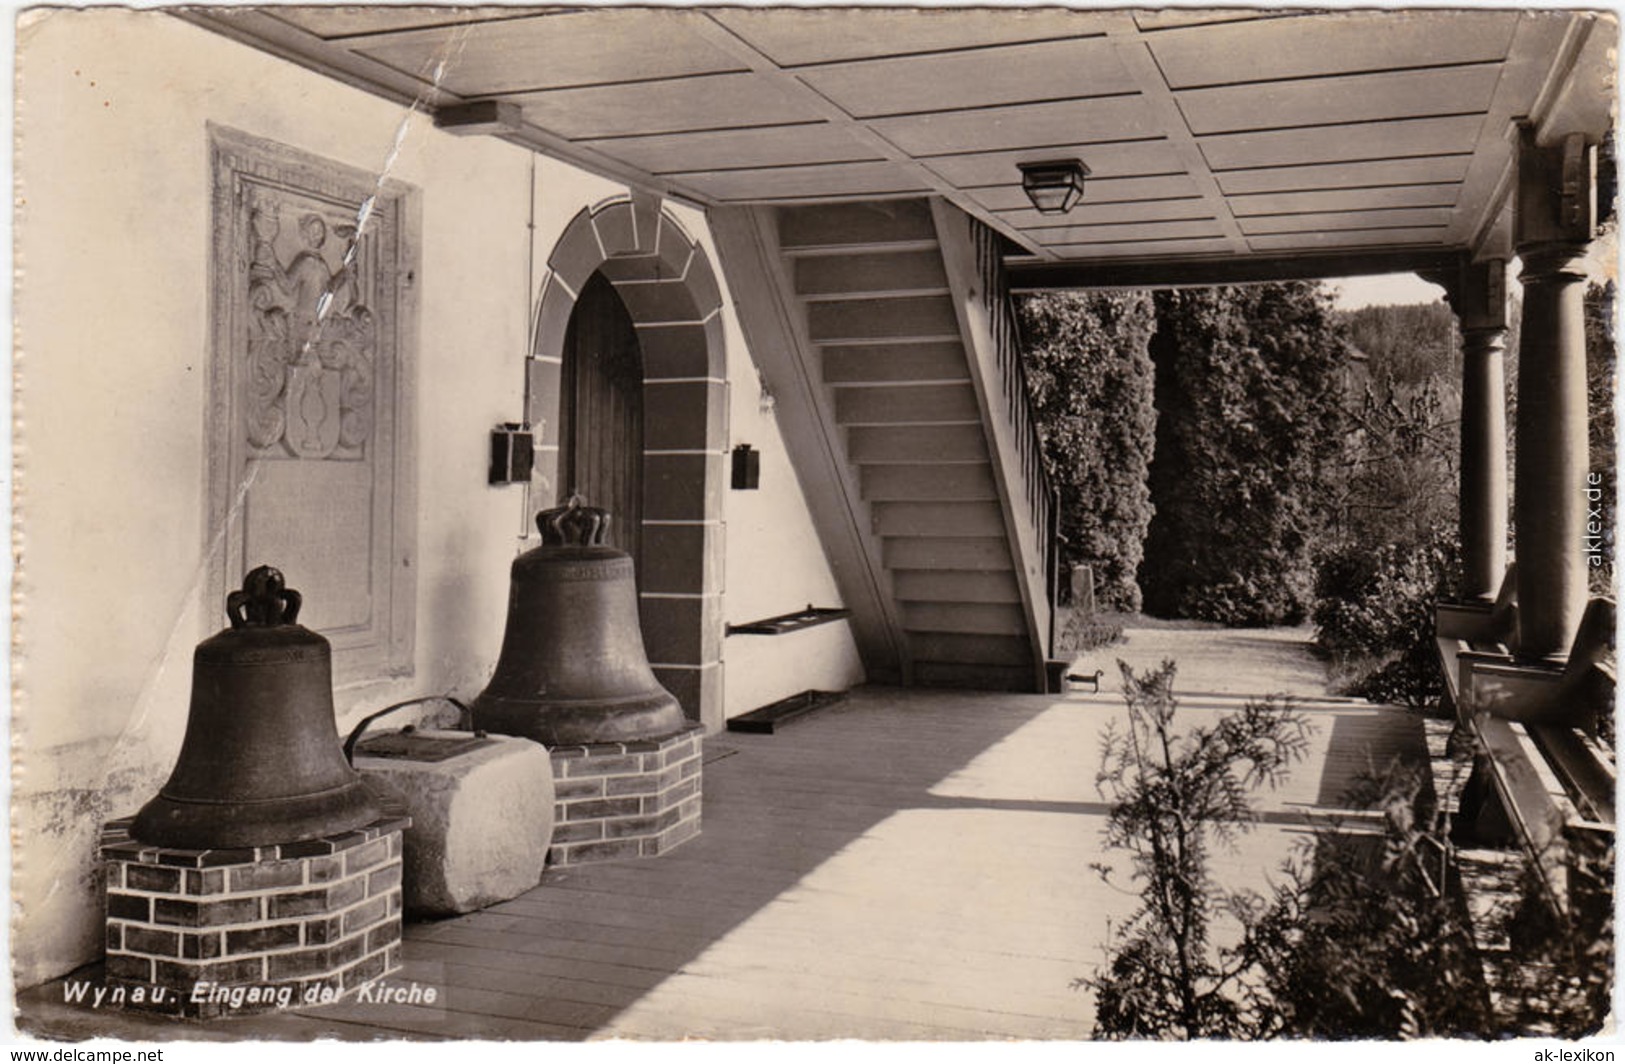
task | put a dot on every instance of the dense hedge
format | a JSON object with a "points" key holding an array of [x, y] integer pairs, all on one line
{"points": [[1090, 378], [1249, 393]]}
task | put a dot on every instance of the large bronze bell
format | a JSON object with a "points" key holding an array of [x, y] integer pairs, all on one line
{"points": [[261, 761], [572, 668]]}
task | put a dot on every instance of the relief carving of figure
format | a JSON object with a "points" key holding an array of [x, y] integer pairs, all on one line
{"points": [[311, 341]]}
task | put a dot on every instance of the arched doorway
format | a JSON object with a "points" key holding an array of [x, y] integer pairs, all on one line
{"points": [[601, 413], [633, 250]]}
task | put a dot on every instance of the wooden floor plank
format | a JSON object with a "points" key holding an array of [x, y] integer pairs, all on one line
{"points": [[908, 864]]}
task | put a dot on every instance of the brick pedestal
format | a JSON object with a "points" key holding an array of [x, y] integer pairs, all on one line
{"points": [[207, 933], [622, 800]]}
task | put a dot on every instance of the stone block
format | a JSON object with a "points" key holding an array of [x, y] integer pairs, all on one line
{"points": [[701, 281], [151, 942], [699, 690], [617, 229], [682, 631], [202, 947], [685, 415], [676, 351], [683, 487], [659, 302], [482, 820], [152, 877], [577, 253]]}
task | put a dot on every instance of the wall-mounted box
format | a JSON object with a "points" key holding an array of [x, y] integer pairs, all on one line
{"points": [[747, 468], [513, 452]]}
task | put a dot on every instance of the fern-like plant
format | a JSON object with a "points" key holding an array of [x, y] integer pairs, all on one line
{"points": [[1175, 794]]}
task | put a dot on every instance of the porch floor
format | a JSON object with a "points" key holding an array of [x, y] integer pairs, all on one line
{"points": [[908, 864]]}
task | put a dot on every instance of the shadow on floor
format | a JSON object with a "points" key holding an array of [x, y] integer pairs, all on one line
{"points": [[563, 960]]}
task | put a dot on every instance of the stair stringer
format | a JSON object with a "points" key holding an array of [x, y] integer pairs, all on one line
{"points": [[1025, 539]]}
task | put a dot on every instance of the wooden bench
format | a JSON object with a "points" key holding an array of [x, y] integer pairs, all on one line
{"points": [[1540, 776]]}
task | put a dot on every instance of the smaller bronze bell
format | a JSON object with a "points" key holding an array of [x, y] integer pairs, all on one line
{"points": [[261, 761], [572, 668]]}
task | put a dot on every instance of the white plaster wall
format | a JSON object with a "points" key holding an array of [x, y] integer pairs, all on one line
{"points": [[113, 237], [113, 241], [775, 563]]}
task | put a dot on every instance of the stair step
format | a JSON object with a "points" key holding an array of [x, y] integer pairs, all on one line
{"points": [[877, 273], [840, 321], [915, 363], [923, 483], [862, 225], [937, 519], [970, 649], [974, 677], [916, 443], [904, 404], [974, 553], [950, 585], [968, 618]]}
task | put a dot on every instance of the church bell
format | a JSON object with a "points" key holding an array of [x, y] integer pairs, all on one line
{"points": [[572, 668], [261, 761]]}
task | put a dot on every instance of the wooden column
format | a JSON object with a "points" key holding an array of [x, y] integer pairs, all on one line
{"points": [[1552, 226], [1478, 297]]}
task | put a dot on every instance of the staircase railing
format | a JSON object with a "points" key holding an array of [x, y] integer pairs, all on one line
{"points": [[1040, 496]]}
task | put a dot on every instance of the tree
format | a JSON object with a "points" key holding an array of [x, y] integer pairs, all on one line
{"points": [[1400, 478], [1173, 797], [1249, 394], [1089, 378], [1364, 934]]}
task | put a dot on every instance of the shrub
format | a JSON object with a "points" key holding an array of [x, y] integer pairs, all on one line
{"points": [[1081, 633], [1375, 610], [1366, 935], [1089, 378], [1556, 978], [1249, 384], [1401, 473]]}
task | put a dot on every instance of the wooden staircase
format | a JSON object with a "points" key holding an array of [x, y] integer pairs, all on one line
{"points": [[877, 332]]}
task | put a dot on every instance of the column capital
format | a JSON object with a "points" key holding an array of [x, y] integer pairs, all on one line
{"points": [[1556, 192], [1477, 293], [1484, 339], [1560, 261]]}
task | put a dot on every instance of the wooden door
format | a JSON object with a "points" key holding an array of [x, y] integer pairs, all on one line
{"points": [[601, 412]]}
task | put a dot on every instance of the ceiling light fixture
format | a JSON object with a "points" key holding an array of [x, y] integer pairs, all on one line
{"points": [[1054, 187]]}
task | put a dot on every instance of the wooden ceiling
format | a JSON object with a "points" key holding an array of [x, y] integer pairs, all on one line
{"points": [[1252, 135]]}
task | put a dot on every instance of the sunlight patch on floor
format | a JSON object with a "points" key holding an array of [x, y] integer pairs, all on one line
{"points": [[937, 923], [1052, 758]]}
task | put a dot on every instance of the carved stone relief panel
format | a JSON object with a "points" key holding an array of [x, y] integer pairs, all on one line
{"points": [[312, 340], [310, 460]]}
